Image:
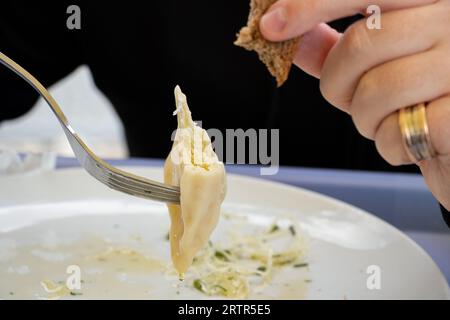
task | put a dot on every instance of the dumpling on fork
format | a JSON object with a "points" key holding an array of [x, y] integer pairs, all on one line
{"points": [[193, 166]]}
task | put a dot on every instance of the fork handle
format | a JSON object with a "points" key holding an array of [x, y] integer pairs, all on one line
{"points": [[32, 81]]}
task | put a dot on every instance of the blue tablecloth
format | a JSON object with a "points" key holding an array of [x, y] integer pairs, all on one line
{"points": [[403, 200]]}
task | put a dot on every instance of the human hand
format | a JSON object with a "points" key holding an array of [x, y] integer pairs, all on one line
{"points": [[371, 74]]}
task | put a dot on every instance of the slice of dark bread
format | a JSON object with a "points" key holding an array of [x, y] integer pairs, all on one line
{"points": [[277, 56]]}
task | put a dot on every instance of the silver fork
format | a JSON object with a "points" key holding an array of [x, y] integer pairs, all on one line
{"points": [[105, 173]]}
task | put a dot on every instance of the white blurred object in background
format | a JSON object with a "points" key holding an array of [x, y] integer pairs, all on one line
{"points": [[13, 163], [88, 110]]}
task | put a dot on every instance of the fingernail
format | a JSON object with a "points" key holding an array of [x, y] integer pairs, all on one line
{"points": [[274, 20]]}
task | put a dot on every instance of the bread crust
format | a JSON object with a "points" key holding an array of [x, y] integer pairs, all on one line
{"points": [[277, 56]]}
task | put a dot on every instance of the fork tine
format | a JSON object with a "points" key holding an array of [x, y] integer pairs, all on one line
{"points": [[142, 185], [104, 175], [136, 192], [141, 195], [149, 190], [127, 178], [172, 191]]}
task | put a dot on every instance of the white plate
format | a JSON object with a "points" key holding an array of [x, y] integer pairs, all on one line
{"points": [[41, 216]]}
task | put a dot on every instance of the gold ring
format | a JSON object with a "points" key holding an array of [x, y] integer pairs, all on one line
{"points": [[416, 136]]}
